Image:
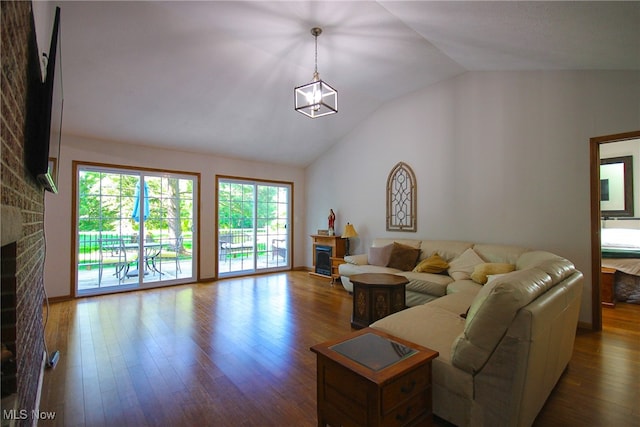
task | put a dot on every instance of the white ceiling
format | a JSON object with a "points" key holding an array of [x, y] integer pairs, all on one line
{"points": [[218, 76]]}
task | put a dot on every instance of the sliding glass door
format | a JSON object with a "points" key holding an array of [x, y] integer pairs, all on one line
{"points": [[134, 229], [253, 226]]}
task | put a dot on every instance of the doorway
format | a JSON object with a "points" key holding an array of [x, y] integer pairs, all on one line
{"points": [[253, 226], [133, 229], [597, 218]]}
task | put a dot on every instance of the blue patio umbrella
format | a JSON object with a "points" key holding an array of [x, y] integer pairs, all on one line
{"points": [[136, 207]]}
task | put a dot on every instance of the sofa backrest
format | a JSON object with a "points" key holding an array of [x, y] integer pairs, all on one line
{"points": [[499, 253], [447, 249], [554, 265], [495, 307], [414, 243]]}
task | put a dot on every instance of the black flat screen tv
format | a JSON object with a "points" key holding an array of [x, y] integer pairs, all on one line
{"points": [[44, 110]]}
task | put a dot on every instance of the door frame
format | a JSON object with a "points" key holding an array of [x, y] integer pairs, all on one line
{"points": [[596, 255]]}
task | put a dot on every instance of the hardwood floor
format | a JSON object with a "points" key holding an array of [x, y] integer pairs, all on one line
{"points": [[236, 353]]}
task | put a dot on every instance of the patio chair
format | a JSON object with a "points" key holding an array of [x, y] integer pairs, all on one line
{"points": [[225, 243], [113, 253], [172, 252], [279, 248], [152, 252]]}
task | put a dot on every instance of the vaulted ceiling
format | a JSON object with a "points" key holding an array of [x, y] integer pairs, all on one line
{"points": [[218, 76]]}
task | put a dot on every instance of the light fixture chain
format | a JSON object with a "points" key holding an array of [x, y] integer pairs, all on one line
{"points": [[316, 69]]}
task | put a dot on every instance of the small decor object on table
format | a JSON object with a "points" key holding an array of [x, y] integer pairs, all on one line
{"points": [[372, 378], [332, 221]]}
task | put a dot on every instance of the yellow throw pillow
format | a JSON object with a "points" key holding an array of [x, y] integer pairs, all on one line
{"points": [[481, 271], [433, 264]]}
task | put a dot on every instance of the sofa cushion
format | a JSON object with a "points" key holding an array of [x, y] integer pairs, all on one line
{"points": [[464, 286], [461, 267], [491, 313], [432, 264], [403, 257], [427, 283], [351, 269], [416, 324], [455, 303], [380, 255], [481, 271]]}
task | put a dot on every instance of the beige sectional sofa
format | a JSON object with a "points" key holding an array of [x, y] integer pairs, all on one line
{"points": [[503, 344]]}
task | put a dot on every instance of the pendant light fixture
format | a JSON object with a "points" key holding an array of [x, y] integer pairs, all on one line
{"points": [[316, 99]]}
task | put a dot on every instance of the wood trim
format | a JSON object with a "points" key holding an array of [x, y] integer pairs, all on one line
{"points": [[596, 256]]}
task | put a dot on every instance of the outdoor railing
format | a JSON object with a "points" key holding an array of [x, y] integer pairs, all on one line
{"points": [[89, 246]]}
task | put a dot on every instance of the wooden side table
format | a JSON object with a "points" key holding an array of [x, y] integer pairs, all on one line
{"points": [[335, 273], [607, 292], [370, 378], [376, 295]]}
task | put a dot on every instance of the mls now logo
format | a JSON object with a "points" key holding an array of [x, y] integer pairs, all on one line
{"points": [[23, 414]]}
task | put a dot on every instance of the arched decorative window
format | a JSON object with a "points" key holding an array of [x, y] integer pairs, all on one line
{"points": [[401, 199]]}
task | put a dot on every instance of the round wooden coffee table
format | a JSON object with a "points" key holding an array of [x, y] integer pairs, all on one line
{"points": [[376, 295]]}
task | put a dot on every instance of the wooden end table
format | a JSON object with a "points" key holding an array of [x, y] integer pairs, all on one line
{"points": [[335, 273], [376, 295], [607, 291], [370, 378]]}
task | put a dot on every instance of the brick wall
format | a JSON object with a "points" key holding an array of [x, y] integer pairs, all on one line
{"points": [[19, 189]]}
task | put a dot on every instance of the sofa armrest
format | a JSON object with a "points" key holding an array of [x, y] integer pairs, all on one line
{"points": [[360, 259]]}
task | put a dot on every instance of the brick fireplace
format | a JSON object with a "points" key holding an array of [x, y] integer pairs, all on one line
{"points": [[22, 201], [9, 384]]}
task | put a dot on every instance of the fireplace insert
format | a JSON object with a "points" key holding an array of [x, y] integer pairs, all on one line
{"points": [[323, 260]]}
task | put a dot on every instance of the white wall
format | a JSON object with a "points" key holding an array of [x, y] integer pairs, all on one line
{"points": [[500, 157], [58, 208]]}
